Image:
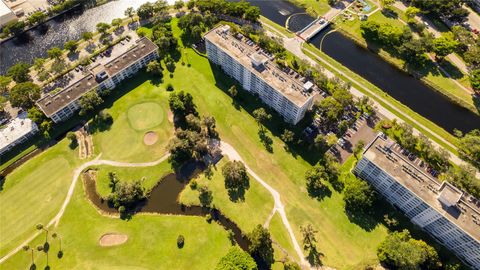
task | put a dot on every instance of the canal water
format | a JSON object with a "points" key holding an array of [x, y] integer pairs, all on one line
{"points": [[408, 90], [163, 199]]}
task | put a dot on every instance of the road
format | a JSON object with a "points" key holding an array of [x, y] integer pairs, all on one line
{"points": [[294, 45]]}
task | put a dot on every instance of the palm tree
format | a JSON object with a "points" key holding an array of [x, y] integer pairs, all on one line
{"points": [[27, 248], [60, 252], [130, 12], [41, 227], [41, 248]]}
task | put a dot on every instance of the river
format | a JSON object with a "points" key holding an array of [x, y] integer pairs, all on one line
{"points": [[408, 90]]}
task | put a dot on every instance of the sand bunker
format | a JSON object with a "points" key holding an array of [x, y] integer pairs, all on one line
{"points": [[150, 138], [112, 239], [170, 116]]}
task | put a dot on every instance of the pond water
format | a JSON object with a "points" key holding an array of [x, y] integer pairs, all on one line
{"points": [[163, 199]]}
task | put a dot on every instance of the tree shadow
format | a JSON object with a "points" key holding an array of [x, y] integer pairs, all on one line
{"points": [[363, 219], [73, 56], [265, 139], [476, 101], [2, 182], [314, 257], [238, 194], [33, 267], [73, 144], [98, 124], [452, 70]]}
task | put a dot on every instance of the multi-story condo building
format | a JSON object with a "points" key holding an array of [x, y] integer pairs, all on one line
{"points": [[60, 105], [448, 214], [254, 69], [16, 132]]}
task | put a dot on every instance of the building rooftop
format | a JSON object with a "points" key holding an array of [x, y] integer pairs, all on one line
{"points": [[260, 63], [456, 205], [15, 129], [54, 101]]}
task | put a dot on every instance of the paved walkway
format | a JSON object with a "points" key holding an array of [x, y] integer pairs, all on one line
{"points": [[232, 154]]}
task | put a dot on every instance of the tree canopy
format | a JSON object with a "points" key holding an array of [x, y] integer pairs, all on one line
{"points": [[401, 251], [24, 95], [236, 259], [358, 195], [260, 247], [89, 102], [236, 179], [19, 72]]}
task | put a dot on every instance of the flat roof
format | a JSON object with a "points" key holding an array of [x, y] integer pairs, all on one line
{"points": [[15, 129], [54, 101], [465, 209], [4, 9], [245, 54]]}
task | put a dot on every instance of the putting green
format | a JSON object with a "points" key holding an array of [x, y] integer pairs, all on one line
{"points": [[146, 115]]}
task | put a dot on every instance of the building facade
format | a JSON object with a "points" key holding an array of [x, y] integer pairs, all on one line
{"points": [[16, 132], [61, 105], [244, 61], [451, 216]]}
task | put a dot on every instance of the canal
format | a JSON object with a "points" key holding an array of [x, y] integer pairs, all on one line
{"points": [[408, 90]]}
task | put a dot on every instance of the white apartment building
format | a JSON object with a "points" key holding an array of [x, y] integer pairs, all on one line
{"points": [[451, 216], [16, 132], [242, 60], [61, 105]]}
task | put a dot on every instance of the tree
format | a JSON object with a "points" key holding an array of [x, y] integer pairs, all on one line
{"points": [[236, 179], [24, 95], [126, 194], [475, 79], [261, 116], [14, 27], [145, 11], [314, 179], [232, 91], [155, 67], [39, 63], [287, 136], [236, 259], [89, 102], [37, 17], [401, 251], [40, 227], [116, 23], [358, 148], [463, 177], [4, 82], [71, 46], [210, 123], [60, 251], [178, 4], [190, 4], [310, 243], [260, 247], [28, 248], [129, 12], [469, 146], [196, 33], [411, 12], [87, 36], [19, 72], [252, 14], [357, 195], [205, 195], [331, 108], [181, 104], [320, 142], [102, 27], [443, 46], [55, 53]]}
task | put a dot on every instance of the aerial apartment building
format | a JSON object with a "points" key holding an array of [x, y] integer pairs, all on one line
{"points": [[15, 132], [254, 69], [61, 105], [447, 213]]}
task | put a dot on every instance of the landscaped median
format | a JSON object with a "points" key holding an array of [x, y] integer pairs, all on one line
{"points": [[392, 105]]}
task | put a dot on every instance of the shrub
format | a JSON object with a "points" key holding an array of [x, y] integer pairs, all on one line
{"points": [[170, 87], [193, 184], [180, 241], [209, 218]]}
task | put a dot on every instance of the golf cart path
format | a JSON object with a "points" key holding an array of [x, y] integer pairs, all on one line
{"points": [[232, 154]]}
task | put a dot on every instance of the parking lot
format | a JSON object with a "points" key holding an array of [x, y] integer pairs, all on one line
{"points": [[361, 130]]}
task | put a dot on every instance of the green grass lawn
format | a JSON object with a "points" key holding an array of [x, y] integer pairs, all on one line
{"points": [[247, 214], [142, 106], [314, 7], [150, 176], [151, 241], [34, 192]]}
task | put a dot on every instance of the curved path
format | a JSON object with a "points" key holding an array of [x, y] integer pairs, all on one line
{"points": [[227, 150], [232, 154], [76, 175]]}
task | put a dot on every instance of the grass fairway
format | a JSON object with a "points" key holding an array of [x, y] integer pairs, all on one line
{"points": [[139, 105], [151, 244], [247, 214], [150, 176], [33, 194]]}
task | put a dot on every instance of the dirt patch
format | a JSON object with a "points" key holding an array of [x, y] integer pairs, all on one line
{"points": [[170, 116], [150, 138], [112, 239]]}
